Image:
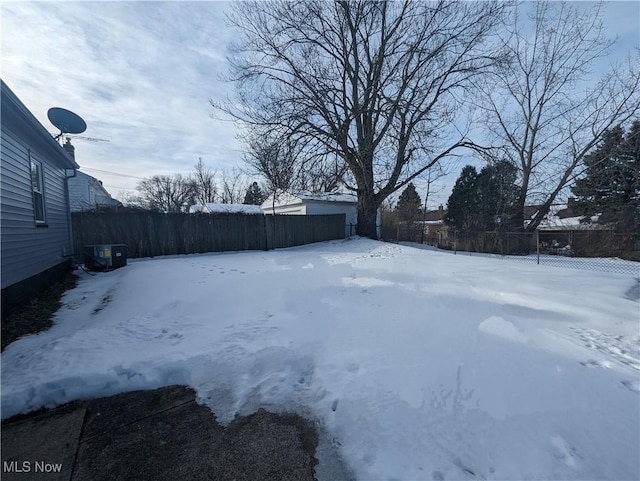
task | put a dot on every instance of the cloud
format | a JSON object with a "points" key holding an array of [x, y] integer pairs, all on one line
{"points": [[140, 74]]}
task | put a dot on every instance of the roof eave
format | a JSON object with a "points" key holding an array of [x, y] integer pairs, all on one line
{"points": [[15, 105]]}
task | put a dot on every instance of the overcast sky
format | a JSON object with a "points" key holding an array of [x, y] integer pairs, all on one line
{"points": [[141, 75]]}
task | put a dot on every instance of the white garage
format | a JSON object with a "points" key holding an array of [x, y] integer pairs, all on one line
{"points": [[306, 203]]}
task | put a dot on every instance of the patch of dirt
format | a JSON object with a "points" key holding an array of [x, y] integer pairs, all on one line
{"points": [[265, 445], [35, 315]]}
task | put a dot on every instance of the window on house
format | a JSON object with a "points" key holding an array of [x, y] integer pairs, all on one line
{"points": [[37, 183]]}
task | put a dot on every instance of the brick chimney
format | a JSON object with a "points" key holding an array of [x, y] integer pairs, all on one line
{"points": [[71, 150], [571, 207], [440, 212]]}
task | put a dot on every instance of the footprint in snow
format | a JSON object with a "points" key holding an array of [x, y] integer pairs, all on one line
{"points": [[633, 386], [353, 368], [594, 363], [564, 451], [633, 294]]}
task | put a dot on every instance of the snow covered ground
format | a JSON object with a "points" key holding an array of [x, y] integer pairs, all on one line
{"points": [[419, 364]]}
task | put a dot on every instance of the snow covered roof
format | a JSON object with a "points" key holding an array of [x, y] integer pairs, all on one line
{"points": [[212, 208], [288, 198], [328, 197], [423, 222], [557, 219], [568, 223]]}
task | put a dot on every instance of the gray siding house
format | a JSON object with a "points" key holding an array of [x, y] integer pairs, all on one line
{"points": [[88, 193], [35, 238]]}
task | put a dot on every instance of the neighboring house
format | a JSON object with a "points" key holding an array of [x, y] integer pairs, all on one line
{"points": [[434, 227], [211, 208], [562, 230], [562, 217], [306, 203], [430, 229], [88, 193], [36, 238]]}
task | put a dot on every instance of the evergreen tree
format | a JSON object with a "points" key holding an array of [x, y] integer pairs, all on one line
{"points": [[483, 201], [462, 206], [254, 195], [497, 194], [611, 185], [408, 206]]}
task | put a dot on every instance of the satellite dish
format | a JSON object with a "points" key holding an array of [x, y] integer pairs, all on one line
{"points": [[66, 121]]}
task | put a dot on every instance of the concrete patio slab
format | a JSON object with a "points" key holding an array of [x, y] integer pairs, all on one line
{"points": [[43, 446], [157, 435]]}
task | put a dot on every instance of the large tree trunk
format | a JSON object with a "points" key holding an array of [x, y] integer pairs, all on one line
{"points": [[367, 214], [516, 223]]}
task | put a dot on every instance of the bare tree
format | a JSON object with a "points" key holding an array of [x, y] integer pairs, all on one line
{"points": [[373, 83], [542, 110], [166, 193], [124, 196], [272, 158], [204, 180], [326, 174], [288, 166], [234, 185]]}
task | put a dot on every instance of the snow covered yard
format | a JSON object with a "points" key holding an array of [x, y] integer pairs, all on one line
{"points": [[420, 364]]}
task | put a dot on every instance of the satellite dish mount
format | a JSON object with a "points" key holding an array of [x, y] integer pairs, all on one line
{"points": [[66, 121]]}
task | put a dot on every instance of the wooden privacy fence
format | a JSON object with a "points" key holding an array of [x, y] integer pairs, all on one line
{"points": [[149, 234]]}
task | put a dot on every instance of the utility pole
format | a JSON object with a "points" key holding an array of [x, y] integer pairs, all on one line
{"points": [[424, 214]]}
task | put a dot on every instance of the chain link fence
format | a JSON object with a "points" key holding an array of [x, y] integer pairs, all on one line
{"points": [[594, 250]]}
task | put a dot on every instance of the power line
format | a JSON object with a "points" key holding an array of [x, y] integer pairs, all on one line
{"points": [[112, 173]]}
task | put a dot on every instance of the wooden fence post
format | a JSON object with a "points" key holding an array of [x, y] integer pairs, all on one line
{"points": [[268, 232]]}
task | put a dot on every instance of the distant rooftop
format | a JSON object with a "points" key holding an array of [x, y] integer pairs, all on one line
{"points": [[327, 196], [283, 197], [211, 208], [563, 217], [294, 198]]}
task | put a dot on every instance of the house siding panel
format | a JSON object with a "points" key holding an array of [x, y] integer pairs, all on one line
{"points": [[349, 210], [79, 193], [319, 208], [27, 249], [288, 210], [87, 193]]}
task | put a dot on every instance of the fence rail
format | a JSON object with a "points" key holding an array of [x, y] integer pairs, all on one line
{"points": [[149, 234], [585, 243], [569, 242]]}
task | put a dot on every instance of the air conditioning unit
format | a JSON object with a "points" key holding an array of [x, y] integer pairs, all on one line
{"points": [[105, 256]]}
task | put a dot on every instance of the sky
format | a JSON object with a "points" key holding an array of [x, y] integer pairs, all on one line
{"points": [[141, 75]]}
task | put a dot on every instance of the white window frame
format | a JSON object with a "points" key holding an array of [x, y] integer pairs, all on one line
{"points": [[37, 188]]}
